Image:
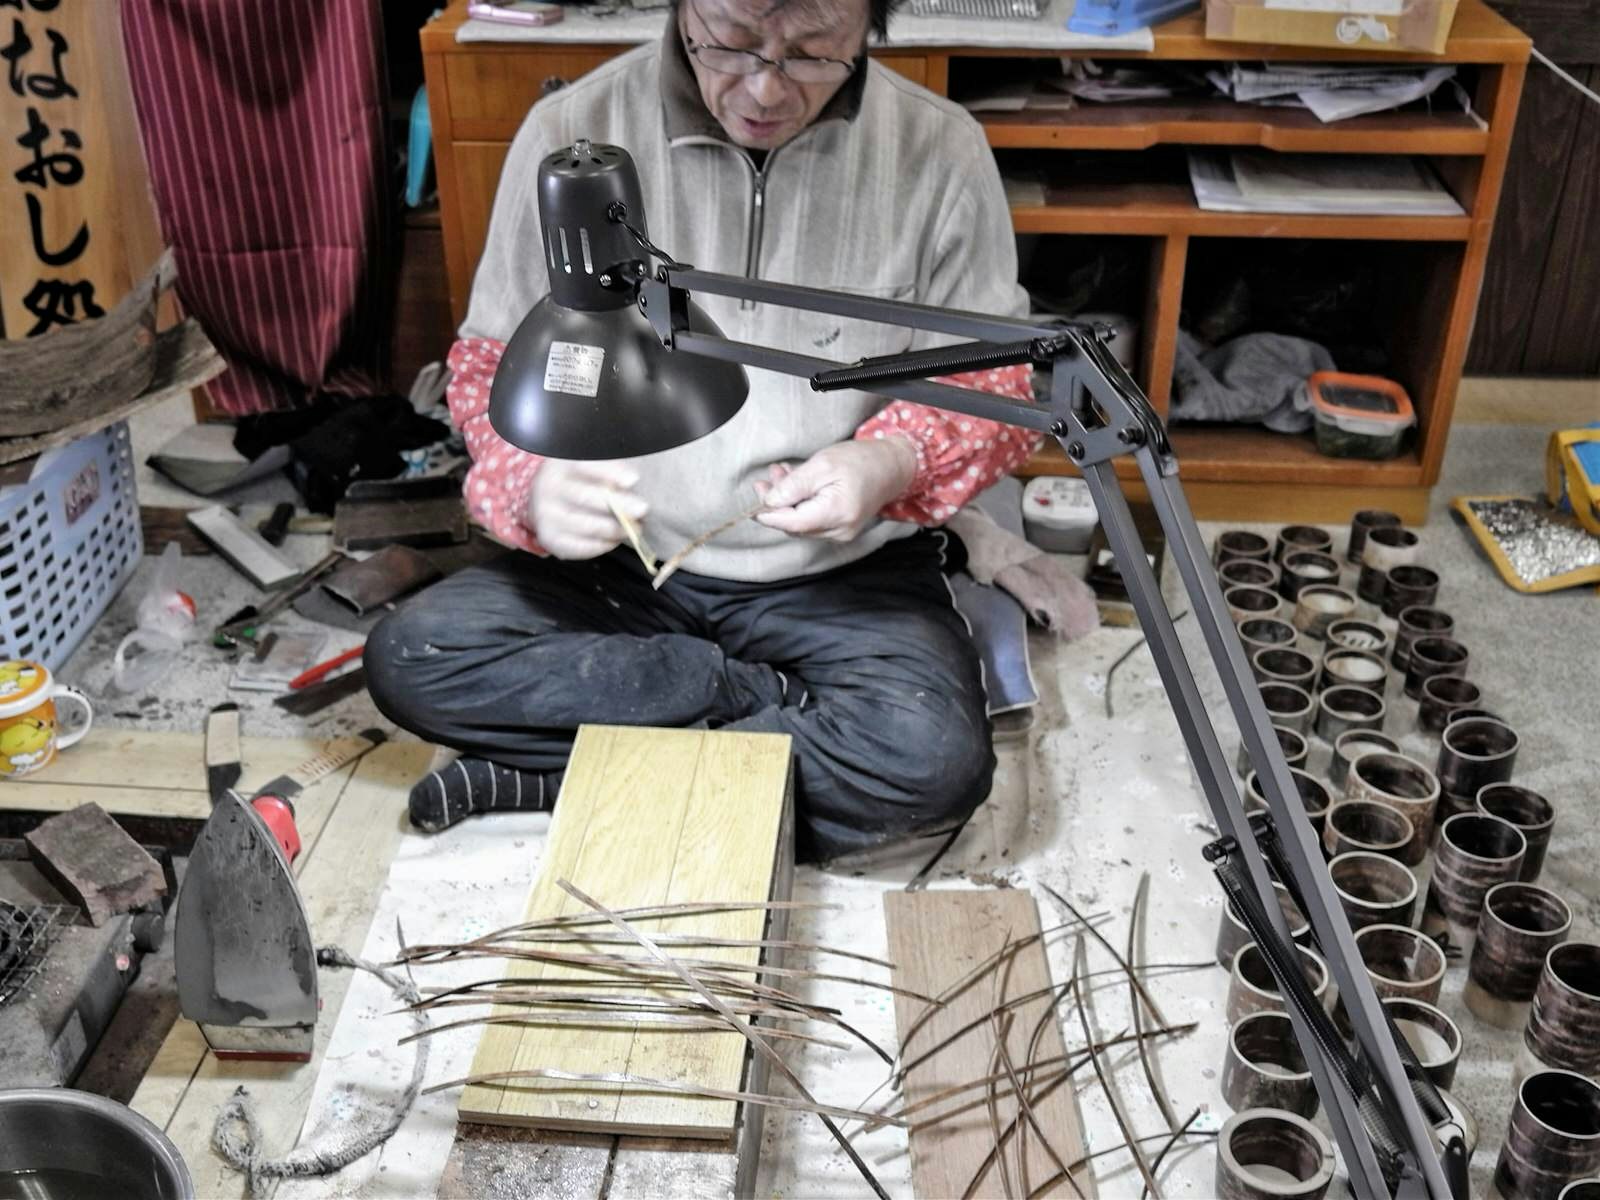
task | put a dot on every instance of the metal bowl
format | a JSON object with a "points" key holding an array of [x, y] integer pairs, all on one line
{"points": [[96, 1145]]}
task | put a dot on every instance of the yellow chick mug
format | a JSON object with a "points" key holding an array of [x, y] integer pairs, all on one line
{"points": [[37, 717]]}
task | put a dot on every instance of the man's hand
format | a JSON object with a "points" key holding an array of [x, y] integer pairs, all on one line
{"points": [[568, 509], [835, 492]]}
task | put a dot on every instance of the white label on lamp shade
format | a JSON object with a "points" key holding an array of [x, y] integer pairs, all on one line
{"points": [[573, 368]]}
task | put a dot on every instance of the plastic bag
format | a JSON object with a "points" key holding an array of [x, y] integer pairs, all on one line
{"points": [[165, 618]]}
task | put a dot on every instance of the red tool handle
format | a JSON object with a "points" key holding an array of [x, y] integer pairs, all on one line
{"points": [[306, 678], [278, 814]]}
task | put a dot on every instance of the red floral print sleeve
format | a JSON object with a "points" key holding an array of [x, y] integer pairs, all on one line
{"points": [[501, 476], [957, 456]]}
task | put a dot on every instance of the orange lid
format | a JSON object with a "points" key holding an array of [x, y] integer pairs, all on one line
{"points": [[1360, 397], [22, 685]]}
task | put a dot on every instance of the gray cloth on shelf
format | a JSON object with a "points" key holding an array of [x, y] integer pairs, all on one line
{"points": [[1260, 377]]}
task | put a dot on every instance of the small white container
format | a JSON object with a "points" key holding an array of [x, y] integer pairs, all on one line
{"points": [[1058, 514]]}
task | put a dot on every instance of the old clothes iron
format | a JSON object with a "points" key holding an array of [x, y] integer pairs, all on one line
{"points": [[245, 959]]}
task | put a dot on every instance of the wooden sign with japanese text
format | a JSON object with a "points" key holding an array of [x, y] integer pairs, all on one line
{"points": [[76, 218]]}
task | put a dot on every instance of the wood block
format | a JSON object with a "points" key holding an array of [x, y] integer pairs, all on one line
{"points": [[935, 939], [94, 863], [647, 816]]}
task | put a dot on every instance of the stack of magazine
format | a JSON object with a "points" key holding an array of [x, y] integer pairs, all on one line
{"points": [[1265, 182]]}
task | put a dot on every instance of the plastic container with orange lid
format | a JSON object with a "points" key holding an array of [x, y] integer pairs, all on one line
{"points": [[1359, 416]]}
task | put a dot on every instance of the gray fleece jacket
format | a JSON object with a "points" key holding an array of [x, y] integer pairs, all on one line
{"points": [[891, 192]]}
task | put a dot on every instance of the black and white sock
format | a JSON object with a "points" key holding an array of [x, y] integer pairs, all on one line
{"points": [[472, 785]]}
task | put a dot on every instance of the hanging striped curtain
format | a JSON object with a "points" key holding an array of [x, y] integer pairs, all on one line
{"points": [[264, 125]]}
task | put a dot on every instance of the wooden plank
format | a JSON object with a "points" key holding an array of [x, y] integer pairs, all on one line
{"points": [[935, 939], [1524, 230], [1564, 333], [1222, 122], [340, 877], [739, 787], [620, 851], [171, 777], [647, 816], [1158, 346], [164, 760], [1567, 30]]}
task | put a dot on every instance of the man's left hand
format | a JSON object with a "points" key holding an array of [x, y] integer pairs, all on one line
{"points": [[839, 489]]}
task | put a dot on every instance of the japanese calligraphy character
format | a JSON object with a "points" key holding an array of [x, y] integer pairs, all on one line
{"points": [[36, 5], [56, 302], [62, 167], [53, 258], [51, 86]]}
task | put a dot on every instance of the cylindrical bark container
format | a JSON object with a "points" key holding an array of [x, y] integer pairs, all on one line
{"points": [[1386, 547], [1288, 706], [1373, 889], [1475, 853], [1476, 753], [1365, 826], [1414, 623], [1353, 668], [1251, 987], [1529, 812], [1232, 544], [1271, 1154], [1314, 796], [1265, 1068], [1318, 606], [1291, 743], [1233, 937], [1305, 568], [1563, 1029], [1245, 602], [1265, 633], [1363, 523], [1432, 656], [1245, 572], [1520, 925], [1352, 633], [1294, 539], [1401, 961], [1474, 714], [1402, 783], [1441, 696], [1347, 747], [1283, 665], [1409, 586], [1344, 708], [1434, 1038], [1553, 1137]]}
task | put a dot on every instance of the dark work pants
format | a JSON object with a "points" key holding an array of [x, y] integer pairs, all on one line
{"points": [[504, 661]]}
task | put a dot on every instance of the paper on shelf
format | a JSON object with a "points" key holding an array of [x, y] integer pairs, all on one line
{"points": [[1284, 183]]}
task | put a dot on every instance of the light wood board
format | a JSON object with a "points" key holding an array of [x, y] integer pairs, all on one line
{"points": [[936, 938], [647, 816]]}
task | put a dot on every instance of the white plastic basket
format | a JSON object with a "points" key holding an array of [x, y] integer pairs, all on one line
{"points": [[69, 539]]}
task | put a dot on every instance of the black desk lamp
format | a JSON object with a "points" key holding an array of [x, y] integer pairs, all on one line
{"points": [[598, 370]]}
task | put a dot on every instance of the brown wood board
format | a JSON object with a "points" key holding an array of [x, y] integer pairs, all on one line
{"points": [[1526, 321], [936, 938], [647, 816]]}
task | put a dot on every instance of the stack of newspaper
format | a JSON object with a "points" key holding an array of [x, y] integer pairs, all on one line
{"points": [[1262, 181], [1331, 92]]}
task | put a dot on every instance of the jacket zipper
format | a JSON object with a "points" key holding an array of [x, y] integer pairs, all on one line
{"points": [[758, 201]]}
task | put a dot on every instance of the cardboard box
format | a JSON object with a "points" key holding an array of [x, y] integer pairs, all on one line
{"points": [[1412, 26]]}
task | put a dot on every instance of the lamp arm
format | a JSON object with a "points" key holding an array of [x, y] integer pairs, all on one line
{"points": [[1098, 414]]}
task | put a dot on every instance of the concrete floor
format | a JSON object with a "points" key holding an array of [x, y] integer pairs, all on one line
{"points": [[1085, 804]]}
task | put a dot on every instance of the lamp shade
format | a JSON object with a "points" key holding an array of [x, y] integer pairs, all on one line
{"points": [[576, 384], [585, 376]]}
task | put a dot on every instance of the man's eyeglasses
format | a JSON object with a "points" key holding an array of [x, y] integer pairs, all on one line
{"points": [[801, 68]]}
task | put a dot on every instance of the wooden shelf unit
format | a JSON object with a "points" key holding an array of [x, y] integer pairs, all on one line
{"points": [[479, 92]]}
